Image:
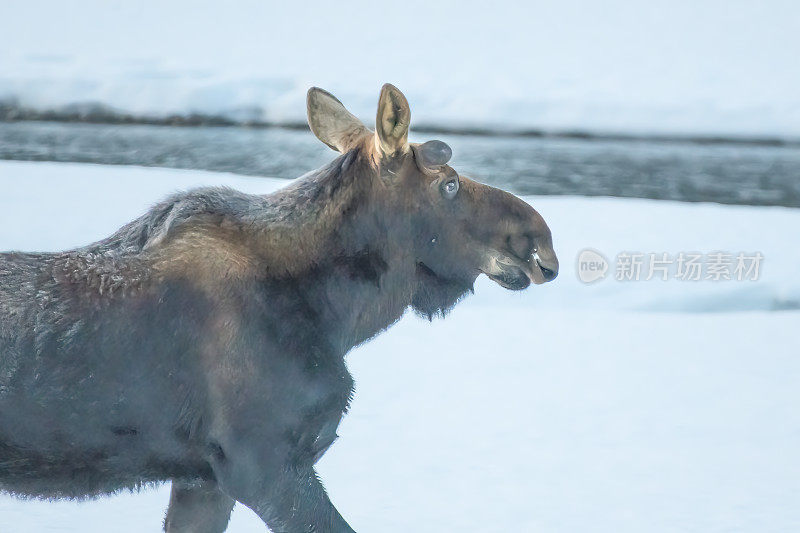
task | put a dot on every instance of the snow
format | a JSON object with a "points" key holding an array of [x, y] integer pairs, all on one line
{"points": [[625, 407], [622, 66]]}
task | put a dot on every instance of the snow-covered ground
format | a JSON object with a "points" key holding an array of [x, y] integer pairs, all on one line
{"points": [[624, 407], [709, 67]]}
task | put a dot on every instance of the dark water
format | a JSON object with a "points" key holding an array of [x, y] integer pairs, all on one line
{"points": [[734, 174]]}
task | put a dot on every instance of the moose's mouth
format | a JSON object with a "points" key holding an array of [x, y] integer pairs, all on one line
{"points": [[514, 274], [510, 277]]}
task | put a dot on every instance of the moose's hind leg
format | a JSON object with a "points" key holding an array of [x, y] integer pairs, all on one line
{"points": [[198, 507]]}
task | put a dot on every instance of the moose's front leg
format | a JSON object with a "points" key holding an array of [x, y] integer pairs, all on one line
{"points": [[287, 495], [297, 502], [264, 440], [273, 412]]}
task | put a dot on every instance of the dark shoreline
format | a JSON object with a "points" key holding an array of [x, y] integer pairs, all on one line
{"points": [[96, 114]]}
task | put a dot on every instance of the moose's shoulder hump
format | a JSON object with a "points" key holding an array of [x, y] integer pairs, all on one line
{"points": [[207, 204]]}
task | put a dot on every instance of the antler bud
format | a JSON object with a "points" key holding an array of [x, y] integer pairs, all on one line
{"points": [[435, 153]]}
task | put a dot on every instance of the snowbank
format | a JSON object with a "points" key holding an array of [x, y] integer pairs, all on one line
{"points": [[619, 66], [563, 408]]}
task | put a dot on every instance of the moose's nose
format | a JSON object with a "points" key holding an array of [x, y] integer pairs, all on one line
{"points": [[525, 248], [548, 273], [547, 261]]}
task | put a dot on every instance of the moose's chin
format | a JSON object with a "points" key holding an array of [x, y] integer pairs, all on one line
{"points": [[510, 277]]}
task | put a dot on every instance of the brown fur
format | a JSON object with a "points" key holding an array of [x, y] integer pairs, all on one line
{"points": [[204, 342]]}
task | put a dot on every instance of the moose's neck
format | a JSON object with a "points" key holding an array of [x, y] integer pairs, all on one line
{"points": [[328, 247], [301, 224]]}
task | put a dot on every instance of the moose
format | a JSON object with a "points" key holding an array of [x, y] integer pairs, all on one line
{"points": [[203, 343]]}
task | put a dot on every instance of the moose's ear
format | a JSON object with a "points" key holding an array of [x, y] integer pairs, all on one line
{"points": [[331, 122], [394, 117]]}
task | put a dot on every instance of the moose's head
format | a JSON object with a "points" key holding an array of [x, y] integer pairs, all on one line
{"points": [[450, 229]]}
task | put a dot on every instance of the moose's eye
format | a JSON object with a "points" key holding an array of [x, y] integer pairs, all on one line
{"points": [[450, 188]]}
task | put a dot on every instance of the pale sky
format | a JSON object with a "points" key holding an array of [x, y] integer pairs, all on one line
{"points": [[677, 65]]}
